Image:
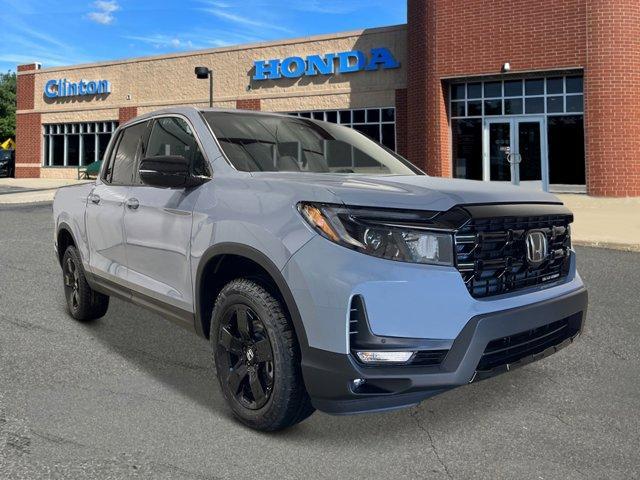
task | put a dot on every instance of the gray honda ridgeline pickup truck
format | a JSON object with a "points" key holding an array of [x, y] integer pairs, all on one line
{"points": [[325, 270]]}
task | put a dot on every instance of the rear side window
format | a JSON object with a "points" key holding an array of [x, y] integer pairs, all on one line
{"points": [[123, 161], [172, 136]]}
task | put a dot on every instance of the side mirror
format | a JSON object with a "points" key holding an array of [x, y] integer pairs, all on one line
{"points": [[171, 171]]}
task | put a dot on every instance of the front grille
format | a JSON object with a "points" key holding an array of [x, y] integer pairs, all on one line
{"points": [[491, 253], [513, 348]]}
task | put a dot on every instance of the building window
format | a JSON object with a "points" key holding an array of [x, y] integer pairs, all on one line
{"points": [[75, 144], [556, 102], [467, 148], [379, 124], [566, 150], [550, 95]]}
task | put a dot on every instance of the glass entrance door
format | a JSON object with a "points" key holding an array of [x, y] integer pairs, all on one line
{"points": [[498, 150], [515, 151]]}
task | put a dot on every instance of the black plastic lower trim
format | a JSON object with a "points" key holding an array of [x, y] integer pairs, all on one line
{"points": [[176, 315], [329, 376]]}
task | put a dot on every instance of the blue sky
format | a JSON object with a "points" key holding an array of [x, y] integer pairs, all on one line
{"points": [[70, 32]]}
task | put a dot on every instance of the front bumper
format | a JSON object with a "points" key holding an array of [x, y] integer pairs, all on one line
{"points": [[328, 375]]}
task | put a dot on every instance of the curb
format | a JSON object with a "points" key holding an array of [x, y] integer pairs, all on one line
{"points": [[28, 191], [13, 206], [625, 247]]}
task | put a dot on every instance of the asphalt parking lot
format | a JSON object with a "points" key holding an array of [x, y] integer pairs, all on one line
{"points": [[132, 396]]}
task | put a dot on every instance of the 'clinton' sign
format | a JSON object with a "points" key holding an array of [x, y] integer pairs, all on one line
{"points": [[328, 64], [64, 88]]}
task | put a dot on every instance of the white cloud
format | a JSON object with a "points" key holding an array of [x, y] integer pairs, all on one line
{"points": [[215, 3], [327, 6], [104, 11], [164, 41], [246, 21], [24, 44]]}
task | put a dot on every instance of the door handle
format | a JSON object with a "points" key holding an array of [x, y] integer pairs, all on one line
{"points": [[133, 204], [94, 198]]}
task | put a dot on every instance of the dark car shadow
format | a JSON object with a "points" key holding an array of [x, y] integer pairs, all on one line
{"points": [[182, 361], [169, 353]]}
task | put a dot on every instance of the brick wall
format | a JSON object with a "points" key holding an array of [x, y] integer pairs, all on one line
{"points": [[417, 87], [28, 145], [127, 113], [28, 126], [25, 91], [401, 121], [612, 96], [475, 37], [248, 104]]}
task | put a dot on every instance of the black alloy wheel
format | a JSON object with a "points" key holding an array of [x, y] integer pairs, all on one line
{"points": [[71, 283], [83, 302], [245, 357]]}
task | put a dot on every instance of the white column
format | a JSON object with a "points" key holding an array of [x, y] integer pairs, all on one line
{"points": [[51, 139], [66, 145], [81, 150]]}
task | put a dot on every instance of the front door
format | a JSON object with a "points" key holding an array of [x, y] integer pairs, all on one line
{"points": [[157, 222], [515, 151]]}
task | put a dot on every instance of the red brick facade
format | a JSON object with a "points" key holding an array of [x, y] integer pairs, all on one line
{"points": [[455, 38], [28, 126], [28, 145], [248, 104], [612, 98], [402, 132], [127, 113], [25, 91]]}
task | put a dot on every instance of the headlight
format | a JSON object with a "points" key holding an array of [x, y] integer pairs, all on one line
{"points": [[390, 240]]}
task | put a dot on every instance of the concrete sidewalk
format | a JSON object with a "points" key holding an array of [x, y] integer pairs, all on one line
{"points": [[599, 222], [605, 222], [31, 190]]}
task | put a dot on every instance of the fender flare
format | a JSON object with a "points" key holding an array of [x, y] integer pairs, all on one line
{"points": [[65, 226], [231, 248]]}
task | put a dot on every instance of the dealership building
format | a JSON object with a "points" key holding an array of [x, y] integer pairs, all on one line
{"points": [[545, 94]]}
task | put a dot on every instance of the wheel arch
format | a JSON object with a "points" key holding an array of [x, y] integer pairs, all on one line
{"points": [[210, 263], [64, 238]]}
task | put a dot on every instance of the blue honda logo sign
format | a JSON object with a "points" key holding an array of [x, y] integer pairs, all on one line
{"points": [[64, 88], [328, 64]]}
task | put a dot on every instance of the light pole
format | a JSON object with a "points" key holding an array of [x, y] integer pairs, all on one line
{"points": [[203, 73]]}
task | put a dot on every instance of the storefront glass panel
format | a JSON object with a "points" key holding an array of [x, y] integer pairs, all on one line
{"points": [[74, 144], [379, 124], [467, 148], [538, 112], [566, 150]]}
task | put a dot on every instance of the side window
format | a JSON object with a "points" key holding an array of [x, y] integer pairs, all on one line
{"points": [[120, 172], [173, 136]]}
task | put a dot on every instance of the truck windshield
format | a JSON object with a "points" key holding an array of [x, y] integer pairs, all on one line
{"points": [[273, 143]]}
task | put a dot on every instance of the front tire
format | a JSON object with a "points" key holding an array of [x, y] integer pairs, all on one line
{"points": [[84, 303], [257, 358]]}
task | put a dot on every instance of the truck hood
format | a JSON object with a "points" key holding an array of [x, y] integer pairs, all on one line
{"points": [[414, 192]]}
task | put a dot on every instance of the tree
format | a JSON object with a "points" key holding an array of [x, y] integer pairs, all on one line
{"points": [[7, 106]]}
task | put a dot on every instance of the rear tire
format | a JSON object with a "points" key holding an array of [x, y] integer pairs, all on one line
{"points": [[257, 358], [84, 303]]}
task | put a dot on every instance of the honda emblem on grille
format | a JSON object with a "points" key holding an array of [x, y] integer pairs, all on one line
{"points": [[536, 243]]}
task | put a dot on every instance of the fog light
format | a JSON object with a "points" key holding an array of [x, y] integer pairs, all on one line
{"points": [[357, 383], [384, 357]]}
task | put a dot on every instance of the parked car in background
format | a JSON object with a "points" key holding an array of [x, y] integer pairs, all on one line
{"points": [[326, 271], [7, 163]]}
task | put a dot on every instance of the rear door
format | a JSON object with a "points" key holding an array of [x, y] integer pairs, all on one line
{"points": [[157, 221], [105, 207]]}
